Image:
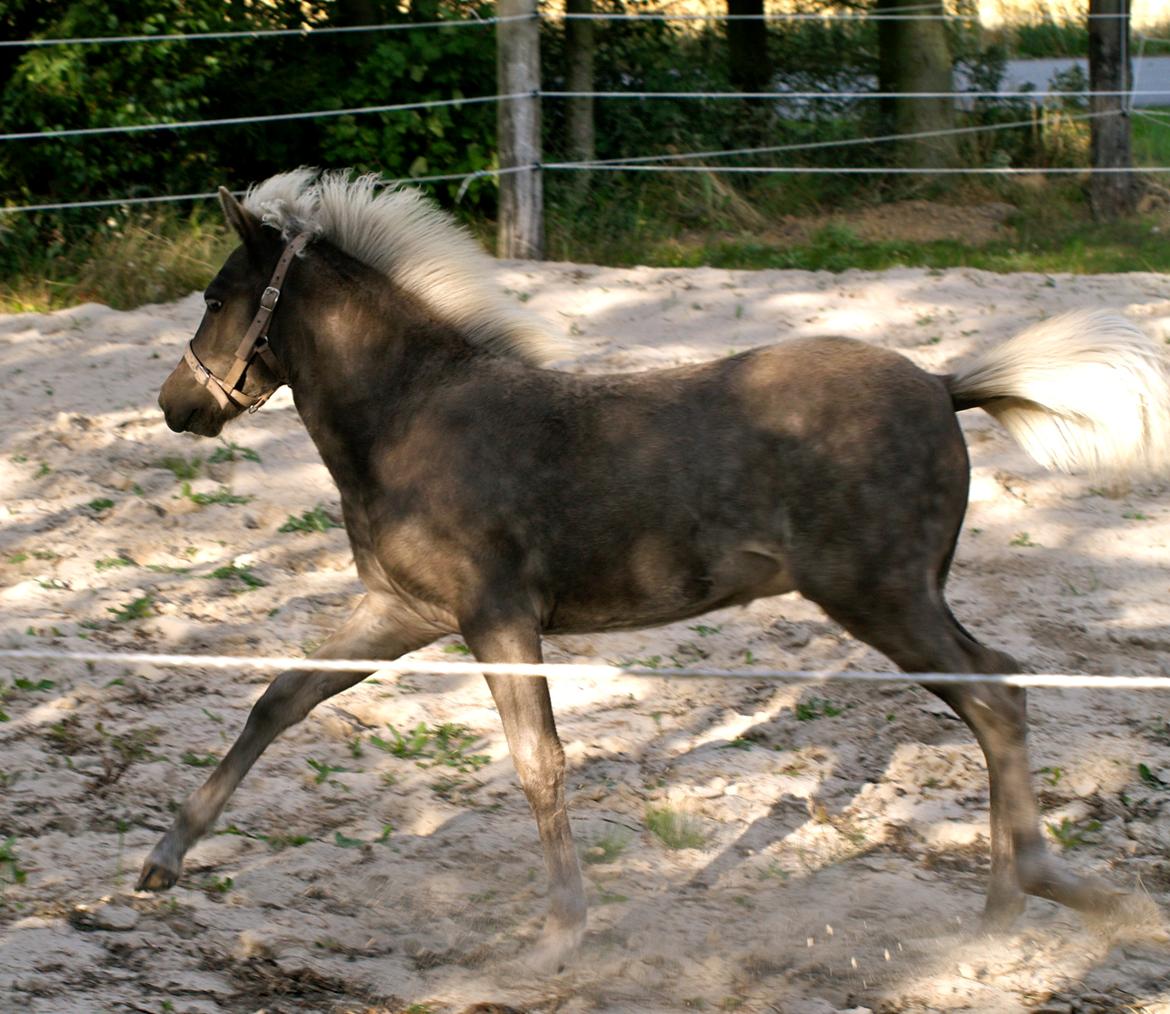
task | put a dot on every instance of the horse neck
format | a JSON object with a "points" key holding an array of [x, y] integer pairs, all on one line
{"points": [[360, 352]]}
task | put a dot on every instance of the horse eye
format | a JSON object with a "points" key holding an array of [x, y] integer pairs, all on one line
{"points": [[214, 304]]}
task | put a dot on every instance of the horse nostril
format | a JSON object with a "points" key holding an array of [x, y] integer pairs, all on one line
{"points": [[176, 420], [176, 425]]}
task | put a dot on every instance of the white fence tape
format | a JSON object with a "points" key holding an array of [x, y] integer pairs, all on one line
{"points": [[575, 670]]}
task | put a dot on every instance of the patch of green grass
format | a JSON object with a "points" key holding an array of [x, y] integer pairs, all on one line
{"points": [[217, 885], [199, 760], [641, 221], [183, 469], [137, 609], [20, 683], [1052, 776], [232, 452], [814, 708], [1149, 778], [223, 495], [315, 520], [447, 745], [1023, 539], [607, 847], [10, 862], [110, 562], [283, 840], [674, 829], [183, 249], [100, 504], [242, 574], [324, 770], [1072, 834], [1046, 38]]}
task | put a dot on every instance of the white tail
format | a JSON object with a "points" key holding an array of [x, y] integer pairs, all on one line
{"points": [[1085, 391]]}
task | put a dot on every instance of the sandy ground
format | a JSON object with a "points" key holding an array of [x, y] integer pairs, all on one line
{"points": [[841, 832]]}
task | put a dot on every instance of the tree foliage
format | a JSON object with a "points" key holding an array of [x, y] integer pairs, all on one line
{"points": [[85, 86]]}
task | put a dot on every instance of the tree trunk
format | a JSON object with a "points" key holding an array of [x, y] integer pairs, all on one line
{"points": [[747, 47], [579, 47], [915, 56], [1111, 194], [521, 225]]}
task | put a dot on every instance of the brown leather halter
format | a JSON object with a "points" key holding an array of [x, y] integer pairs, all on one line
{"points": [[255, 343]]}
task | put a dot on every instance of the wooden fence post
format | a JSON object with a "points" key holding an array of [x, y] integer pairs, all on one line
{"points": [[521, 228], [1111, 194]]}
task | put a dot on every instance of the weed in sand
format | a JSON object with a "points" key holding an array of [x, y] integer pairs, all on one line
{"points": [[223, 495], [323, 769], [181, 468], [315, 520], [137, 609], [232, 452], [1149, 778], [213, 886], [242, 574], [10, 864], [199, 760], [606, 848], [20, 683], [814, 708], [441, 745], [110, 562], [674, 829], [1072, 834], [1052, 775], [100, 504], [282, 840]]}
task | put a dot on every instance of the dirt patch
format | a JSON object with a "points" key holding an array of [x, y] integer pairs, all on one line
{"points": [[914, 221], [836, 837]]}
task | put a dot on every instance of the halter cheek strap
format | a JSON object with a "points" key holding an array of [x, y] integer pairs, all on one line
{"points": [[254, 343]]}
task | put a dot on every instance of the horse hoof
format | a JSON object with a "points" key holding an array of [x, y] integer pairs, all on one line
{"points": [[556, 949], [158, 873], [1001, 912]]}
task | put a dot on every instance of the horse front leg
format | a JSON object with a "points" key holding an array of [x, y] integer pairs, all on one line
{"points": [[381, 627], [527, 716]]}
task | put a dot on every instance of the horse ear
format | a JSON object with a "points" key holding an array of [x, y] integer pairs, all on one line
{"points": [[246, 224]]}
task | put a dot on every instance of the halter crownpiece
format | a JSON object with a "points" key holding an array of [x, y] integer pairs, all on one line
{"points": [[255, 343]]}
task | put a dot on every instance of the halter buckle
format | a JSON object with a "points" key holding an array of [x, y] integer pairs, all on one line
{"points": [[269, 298]]}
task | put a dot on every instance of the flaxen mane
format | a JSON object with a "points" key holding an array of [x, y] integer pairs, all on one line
{"points": [[415, 244]]}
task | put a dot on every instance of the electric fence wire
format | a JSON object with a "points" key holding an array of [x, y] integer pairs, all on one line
{"points": [[635, 163], [585, 670]]}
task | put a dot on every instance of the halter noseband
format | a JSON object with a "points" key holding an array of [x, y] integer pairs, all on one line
{"points": [[255, 343]]}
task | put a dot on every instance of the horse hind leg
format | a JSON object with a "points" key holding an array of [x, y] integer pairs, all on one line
{"points": [[921, 635]]}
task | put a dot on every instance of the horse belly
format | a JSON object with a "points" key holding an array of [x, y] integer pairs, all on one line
{"points": [[653, 589]]}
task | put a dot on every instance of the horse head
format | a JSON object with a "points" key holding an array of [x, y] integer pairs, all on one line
{"points": [[228, 365]]}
